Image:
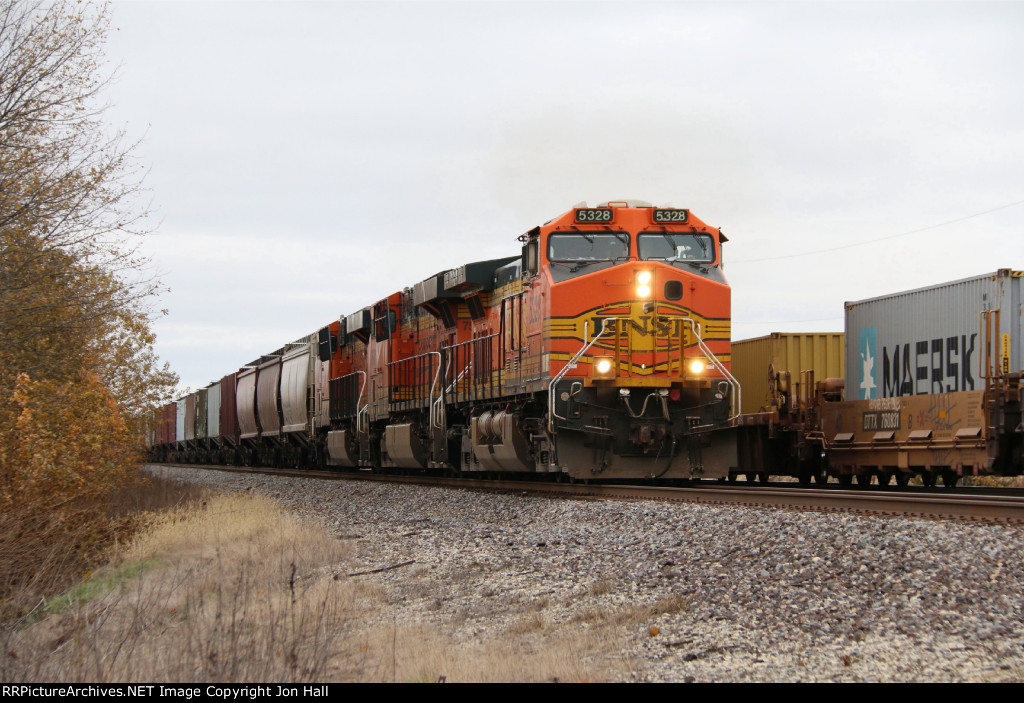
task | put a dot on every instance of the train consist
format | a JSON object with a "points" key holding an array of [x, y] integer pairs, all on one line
{"points": [[603, 351]]}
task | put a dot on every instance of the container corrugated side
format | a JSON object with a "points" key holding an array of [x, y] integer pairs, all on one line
{"points": [[821, 352], [928, 340]]}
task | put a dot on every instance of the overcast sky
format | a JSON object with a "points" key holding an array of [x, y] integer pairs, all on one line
{"points": [[307, 159]]}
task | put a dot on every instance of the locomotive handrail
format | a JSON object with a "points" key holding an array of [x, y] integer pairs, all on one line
{"points": [[730, 379], [360, 411], [735, 411], [473, 345], [437, 372], [552, 415]]}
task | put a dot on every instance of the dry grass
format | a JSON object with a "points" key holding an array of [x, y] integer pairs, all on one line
{"points": [[45, 549], [994, 481], [422, 654], [227, 591], [233, 589]]}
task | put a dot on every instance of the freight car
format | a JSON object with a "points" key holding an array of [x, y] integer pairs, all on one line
{"points": [[601, 350], [931, 387]]}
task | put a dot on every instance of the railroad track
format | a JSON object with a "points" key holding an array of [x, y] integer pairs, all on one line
{"points": [[991, 506]]}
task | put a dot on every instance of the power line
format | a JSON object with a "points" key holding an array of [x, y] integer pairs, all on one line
{"points": [[879, 239]]}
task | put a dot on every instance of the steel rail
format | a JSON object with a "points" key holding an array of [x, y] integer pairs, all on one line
{"points": [[992, 508]]}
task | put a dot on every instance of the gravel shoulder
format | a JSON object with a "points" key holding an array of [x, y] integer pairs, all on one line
{"points": [[678, 592]]}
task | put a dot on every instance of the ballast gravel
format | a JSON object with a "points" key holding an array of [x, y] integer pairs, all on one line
{"points": [[753, 594]]}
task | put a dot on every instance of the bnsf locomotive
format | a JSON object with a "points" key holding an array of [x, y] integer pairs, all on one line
{"points": [[600, 351]]}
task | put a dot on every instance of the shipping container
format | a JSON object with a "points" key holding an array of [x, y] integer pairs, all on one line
{"points": [[933, 340], [783, 351]]}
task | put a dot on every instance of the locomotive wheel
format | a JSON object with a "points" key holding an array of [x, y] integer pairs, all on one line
{"points": [[863, 480], [845, 480], [884, 477], [821, 477]]}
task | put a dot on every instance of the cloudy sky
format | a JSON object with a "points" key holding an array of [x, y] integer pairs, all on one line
{"points": [[307, 159]]}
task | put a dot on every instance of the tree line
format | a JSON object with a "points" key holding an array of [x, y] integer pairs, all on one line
{"points": [[78, 373]]}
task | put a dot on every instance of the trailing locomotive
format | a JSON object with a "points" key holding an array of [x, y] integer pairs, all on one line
{"points": [[600, 351]]}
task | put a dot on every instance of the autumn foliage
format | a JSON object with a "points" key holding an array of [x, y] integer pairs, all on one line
{"points": [[78, 374], [67, 442]]}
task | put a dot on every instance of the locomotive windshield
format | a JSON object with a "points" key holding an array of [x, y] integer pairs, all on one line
{"points": [[676, 247], [588, 246], [576, 253]]}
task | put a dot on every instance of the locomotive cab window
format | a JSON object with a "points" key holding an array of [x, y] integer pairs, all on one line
{"points": [[588, 246], [576, 253], [676, 247]]}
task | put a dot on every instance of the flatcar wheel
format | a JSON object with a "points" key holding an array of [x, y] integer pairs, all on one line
{"points": [[751, 477], [733, 477], [863, 480], [928, 478], [949, 478], [884, 477], [845, 480], [903, 478]]}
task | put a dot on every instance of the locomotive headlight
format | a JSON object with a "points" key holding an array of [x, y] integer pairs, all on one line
{"points": [[697, 366], [603, 366], [643, 284]]}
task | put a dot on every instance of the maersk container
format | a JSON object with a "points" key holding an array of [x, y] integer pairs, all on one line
{"points": [[934, 339], [821, 352]]}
